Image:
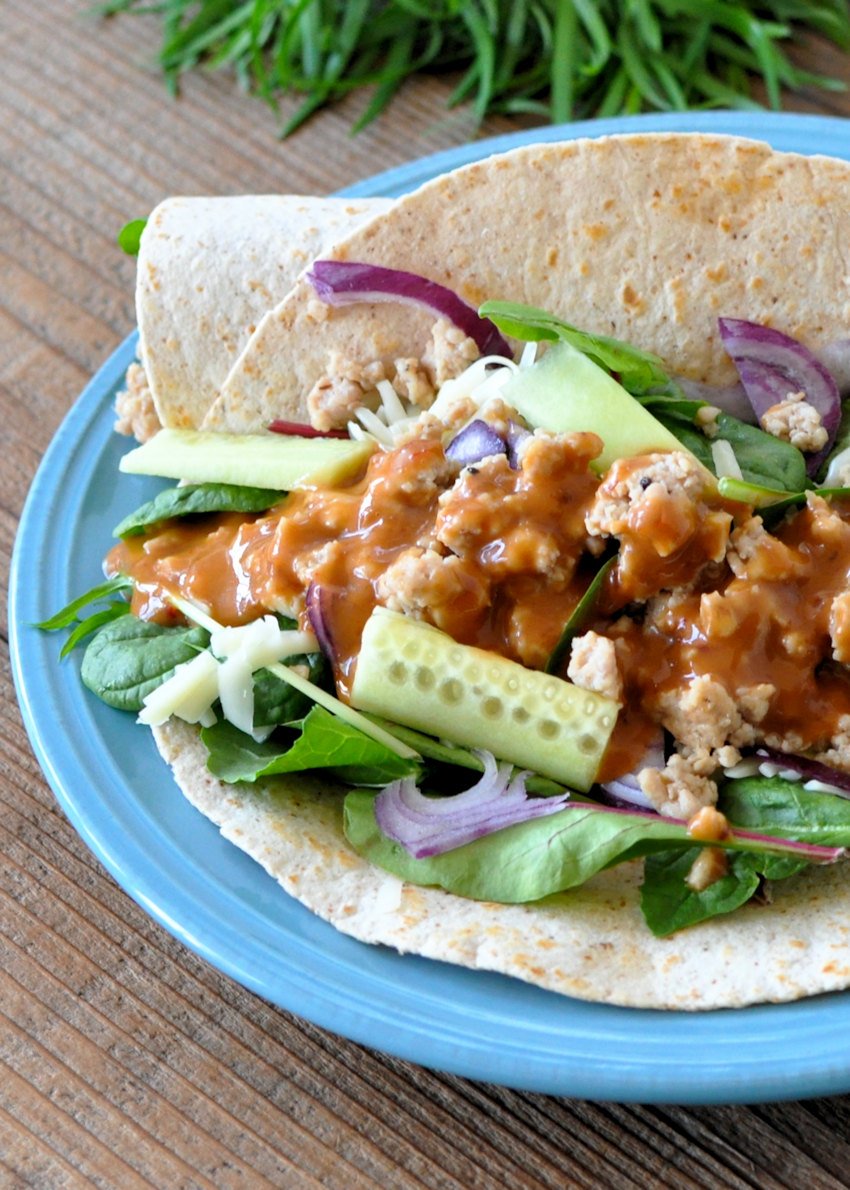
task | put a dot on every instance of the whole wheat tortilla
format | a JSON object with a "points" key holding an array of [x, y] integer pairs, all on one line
{"points": [[208, 270], [591, 942], [648, 238]]}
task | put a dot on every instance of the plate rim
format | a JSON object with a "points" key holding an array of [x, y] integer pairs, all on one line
{"points": [[624, 1078]]}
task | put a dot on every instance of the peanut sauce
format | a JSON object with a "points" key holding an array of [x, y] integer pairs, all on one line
{"points": [[343, 540]]}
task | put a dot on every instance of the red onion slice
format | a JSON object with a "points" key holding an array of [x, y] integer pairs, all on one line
{"points": [[516, 436], [426, 826], [301, 429], [346, 282], [809, 770], [476, 441], [772, 365], [317, 599]]}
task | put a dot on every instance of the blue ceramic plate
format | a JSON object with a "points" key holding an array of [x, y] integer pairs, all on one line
{"points": [[120, 797]]}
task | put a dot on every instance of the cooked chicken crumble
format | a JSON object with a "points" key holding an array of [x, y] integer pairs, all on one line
{"points": [[135, 408], [795, 420]]}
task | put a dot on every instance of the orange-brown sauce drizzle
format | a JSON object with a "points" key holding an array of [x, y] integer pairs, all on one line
{"points": [[345, 539]]}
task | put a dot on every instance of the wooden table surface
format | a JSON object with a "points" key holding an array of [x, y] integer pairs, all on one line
{"points": [[126, 1060]]}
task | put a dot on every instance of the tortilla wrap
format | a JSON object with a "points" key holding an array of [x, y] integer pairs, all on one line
{"points": [[591, 942], [209, 269], [647, 238]]}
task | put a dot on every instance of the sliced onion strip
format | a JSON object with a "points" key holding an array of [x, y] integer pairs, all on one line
{"points": [[426, 826], [346, 282]]}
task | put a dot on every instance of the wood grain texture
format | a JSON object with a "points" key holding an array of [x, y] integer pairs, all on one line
{"points": [[125, 1061]]}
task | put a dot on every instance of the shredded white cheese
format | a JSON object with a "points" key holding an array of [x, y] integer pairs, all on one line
{"points": [[225, 673], [725, 462]]}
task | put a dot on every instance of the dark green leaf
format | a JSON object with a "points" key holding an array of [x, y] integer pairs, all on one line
{"points": [[129, 657], [785, 809], [323, 742], [195, 500], [637, 370], [762, 458], [276, 701], [669, 904], [68, 614], [92, 623], [583, 613]]}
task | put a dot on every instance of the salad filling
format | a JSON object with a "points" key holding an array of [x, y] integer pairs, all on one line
{"points": [[702, 613]]}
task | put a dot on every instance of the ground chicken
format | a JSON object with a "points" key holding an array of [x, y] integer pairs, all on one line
{"points": [[632, 483], [836, 755], [335, 397], [826, 526], [755, 554], [449, 353], [839, 627], [135, 407], [413, 382], [428, 586], [676, 790], [668, 534], [704, 717], [795, 420], [593, 666], [522, 522], [711, 865]]}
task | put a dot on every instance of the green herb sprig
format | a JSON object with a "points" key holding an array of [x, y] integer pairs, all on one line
{"points": [[554, 59]]}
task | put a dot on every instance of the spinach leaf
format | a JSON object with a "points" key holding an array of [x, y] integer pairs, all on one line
{"points": [[323, 742], [785, 809], [130, 657], [668, 904], [765, 461], [525, 862], [762, 458], [692, 439], [275, 701], [194, 500], [68, 615], [582, 614], [637, 370], [130, 236]]}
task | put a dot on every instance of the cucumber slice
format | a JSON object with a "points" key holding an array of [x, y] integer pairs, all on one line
{"points": [[250, 460], [565, 391], [416, 675]]}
